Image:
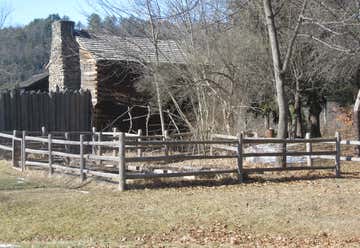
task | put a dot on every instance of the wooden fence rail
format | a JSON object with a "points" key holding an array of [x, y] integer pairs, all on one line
{"points": [[119, 143]]}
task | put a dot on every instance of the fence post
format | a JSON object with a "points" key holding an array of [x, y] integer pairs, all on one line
{"points": [[338, 153], [309, 149], [51, 170], [240, 157], [43, 131], [122, 166], [99, 152], [93, 140], [284, 157], [82, 159], [14, 150], [23, 150], [139, 150], [67, 148], [114, 139], [166, 148]]}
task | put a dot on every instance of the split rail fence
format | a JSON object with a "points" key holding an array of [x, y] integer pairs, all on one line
{"points": [[80, 152]]}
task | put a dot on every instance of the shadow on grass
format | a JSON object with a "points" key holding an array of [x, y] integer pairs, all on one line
{"points": [[216, 181], [249, 179], [179, 183]]}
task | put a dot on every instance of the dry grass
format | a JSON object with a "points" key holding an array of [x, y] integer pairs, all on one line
{"points": [[267, 211]]}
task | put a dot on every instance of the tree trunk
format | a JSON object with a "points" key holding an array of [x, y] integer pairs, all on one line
{"points": [[314, 120], [299, 132], [278, 75], [154, 34]]}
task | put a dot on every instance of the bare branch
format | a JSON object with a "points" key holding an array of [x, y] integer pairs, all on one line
{"points": [[5, 11], [331, 46], [293, 39]]}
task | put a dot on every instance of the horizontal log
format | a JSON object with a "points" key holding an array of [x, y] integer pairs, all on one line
{"points": [[118, 134], [103, 158], [176, 157], [103, 174], [101, 143], [8, 136], [227, 148], [350, 142], [175, 142], [179, 174], [66, 155], [342, 158], [288, 141], [224, 136], [65, 142], [34, 151], [289, 154], [32, 138], [39, 164], [69, 169], [70, 132], [255, 170], [144, 137], [347, 142], [5, 148]]}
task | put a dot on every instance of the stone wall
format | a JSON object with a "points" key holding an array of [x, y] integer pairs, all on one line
{"points": [[64, 67]]}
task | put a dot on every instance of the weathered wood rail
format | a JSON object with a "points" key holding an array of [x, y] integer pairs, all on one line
{"points": [[52, 151]]}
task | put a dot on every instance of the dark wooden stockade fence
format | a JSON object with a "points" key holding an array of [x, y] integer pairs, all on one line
{"points": [[83, 153], [57, 111]]}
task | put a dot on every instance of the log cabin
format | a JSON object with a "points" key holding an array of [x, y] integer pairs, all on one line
{"points": [[109, 67]]}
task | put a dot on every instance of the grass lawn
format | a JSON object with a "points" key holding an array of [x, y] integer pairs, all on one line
{"points": [[38, 212]]}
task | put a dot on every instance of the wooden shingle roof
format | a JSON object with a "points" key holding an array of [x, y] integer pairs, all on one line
{"points": [[108, 47]]}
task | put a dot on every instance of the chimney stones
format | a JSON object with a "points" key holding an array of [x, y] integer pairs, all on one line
{"points": [[64, 66]]}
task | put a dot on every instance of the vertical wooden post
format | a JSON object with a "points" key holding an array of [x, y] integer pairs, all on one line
{"points": [[23, 150], [43, 144], [114, 139], [67, 148], [93, 140], [43, 131], [284, 157], [211, 146], [240, 157], [99, 152], [309, 149], [51, 170], [356, 119], [14, 150], [82, 159], [338, 154], [139, 150], [166, 147], [122, 166]]}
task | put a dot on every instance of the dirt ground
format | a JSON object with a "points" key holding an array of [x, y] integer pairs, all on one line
{"points": [[296, 209]]}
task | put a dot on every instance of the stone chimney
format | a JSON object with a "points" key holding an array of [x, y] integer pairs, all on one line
{"points": [[64, 66]]}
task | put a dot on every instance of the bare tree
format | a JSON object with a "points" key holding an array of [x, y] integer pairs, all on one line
{"points": [[228, 55], [281, 64], [5, 11]]}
